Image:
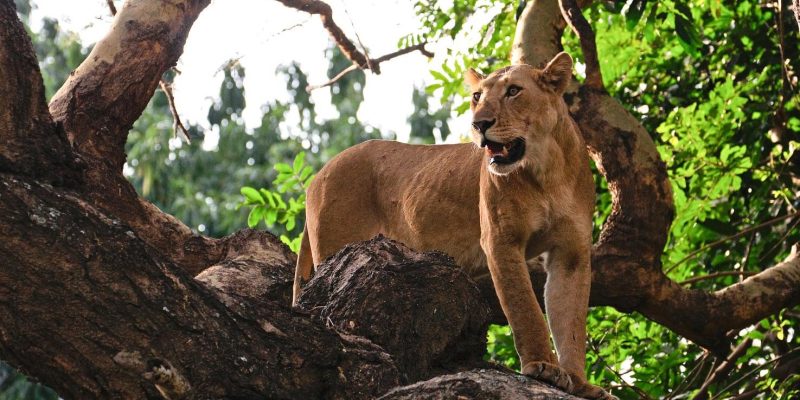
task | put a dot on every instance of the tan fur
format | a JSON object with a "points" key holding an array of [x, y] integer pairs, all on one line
{"points": [[449, 198]]}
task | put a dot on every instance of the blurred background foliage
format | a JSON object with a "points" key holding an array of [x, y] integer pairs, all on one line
{"points": [[715, 83]]}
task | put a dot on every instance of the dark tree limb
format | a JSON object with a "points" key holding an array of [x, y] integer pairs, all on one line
{"points": [[23, 110], [571, 13], [130, 323], [325, 13]]}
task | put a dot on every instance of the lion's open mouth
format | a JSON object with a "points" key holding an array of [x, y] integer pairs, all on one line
{"points": [[504, 153]]}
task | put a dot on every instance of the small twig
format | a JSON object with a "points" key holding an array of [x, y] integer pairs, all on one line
{"points": [[638, 391], [723, 370], [691, 377], [111, 7], [348, 48], [747, 375], [417, 47], [782, 240], [747, 252], [746, 395], [177, 125], [571, 12], [731, 237], [358, 38], [716, 275]]}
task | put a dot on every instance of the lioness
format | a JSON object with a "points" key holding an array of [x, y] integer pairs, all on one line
{"points": [[522, 189]]}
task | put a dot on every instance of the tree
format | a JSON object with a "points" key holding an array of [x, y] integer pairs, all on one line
{"points": [[133, 322]]}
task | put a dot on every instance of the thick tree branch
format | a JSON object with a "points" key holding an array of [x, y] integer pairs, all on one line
{"points": [[166, 87], [571, 13], [105, 95], [128, 319], [109, 90], [31, 143]]}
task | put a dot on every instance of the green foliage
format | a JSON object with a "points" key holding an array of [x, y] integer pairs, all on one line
{"points": [[500, 346], [427, 126], [269, 206]]}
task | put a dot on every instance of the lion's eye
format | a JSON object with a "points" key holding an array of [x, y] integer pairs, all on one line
{"points": [[513, 90], [476, 97]]}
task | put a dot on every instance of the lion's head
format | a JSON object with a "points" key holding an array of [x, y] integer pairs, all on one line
{"points": [[515, 108]]}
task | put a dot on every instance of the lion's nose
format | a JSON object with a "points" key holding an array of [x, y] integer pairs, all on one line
{"points": [[483, 125]]}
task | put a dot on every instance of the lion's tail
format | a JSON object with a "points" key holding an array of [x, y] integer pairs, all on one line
{"points": [[305, 263]]}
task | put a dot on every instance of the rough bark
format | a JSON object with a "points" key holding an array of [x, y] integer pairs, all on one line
{"points": [[367, 287], [23, 109], [627, 271], [478, 385], [124, 312], [131, 324]]}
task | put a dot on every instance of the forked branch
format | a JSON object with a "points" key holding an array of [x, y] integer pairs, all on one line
{"points": [[376, 61], [348, 48]]}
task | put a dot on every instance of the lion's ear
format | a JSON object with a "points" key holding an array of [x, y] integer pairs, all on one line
{"points": [[558, 72], [473, 79]]}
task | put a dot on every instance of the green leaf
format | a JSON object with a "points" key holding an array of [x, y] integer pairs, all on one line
{"points": [[255, 216], [634, 13], [283, 168], [439, 76], [687, 32], [299, 160], [271, 216], [307, 170], [252, 195], [432, 88], [270, 197]]}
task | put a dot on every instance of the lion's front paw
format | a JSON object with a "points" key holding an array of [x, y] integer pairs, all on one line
{"points": [[589, 391], [549, 373]]}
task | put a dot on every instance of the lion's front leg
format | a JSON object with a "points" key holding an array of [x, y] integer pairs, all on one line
{"points": [[566, 299], [531, 337], [566, 296]]}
